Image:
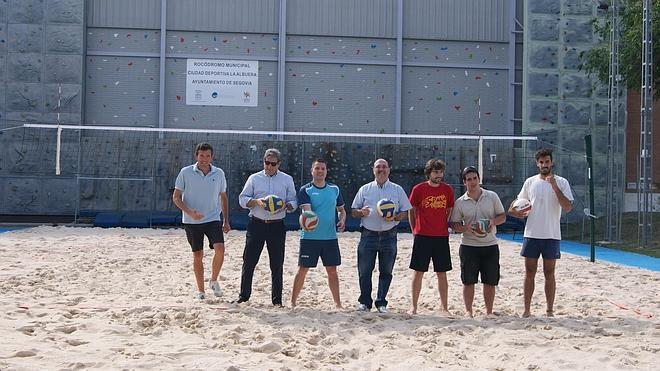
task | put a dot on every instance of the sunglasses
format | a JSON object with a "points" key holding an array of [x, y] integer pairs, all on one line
{"points": [[271, 163]]}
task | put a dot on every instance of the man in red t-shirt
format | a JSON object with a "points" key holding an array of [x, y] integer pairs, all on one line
{"points": [[432, 202]]}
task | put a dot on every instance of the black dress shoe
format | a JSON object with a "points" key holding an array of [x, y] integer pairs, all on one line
{"points": [[240, 300]]}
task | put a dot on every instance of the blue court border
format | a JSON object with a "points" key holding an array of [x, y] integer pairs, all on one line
{"points": [[602, 253], [7, 229]]}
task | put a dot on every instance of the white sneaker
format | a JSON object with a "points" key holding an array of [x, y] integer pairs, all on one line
{"points": [[362, 308], [199, 296], [215, 286], [382, 309]]}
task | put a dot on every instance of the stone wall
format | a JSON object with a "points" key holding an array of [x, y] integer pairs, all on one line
{"points": [[561, 103], [41, 59]]}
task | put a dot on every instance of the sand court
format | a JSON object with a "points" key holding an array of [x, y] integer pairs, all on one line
{"points": [[123, 298]]}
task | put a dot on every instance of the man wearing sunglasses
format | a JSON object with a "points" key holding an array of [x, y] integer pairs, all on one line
{"points": [[265, 227], [479, 253]]}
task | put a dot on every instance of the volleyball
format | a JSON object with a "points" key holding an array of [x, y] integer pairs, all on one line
{"points": [[308, 220], [386, 208], [481, 227], [273, 204], [522, 205]]}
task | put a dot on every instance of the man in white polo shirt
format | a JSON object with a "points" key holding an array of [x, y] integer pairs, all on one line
{"points": [[378, 236], [200, 192], [479, 253], [549, 195]]}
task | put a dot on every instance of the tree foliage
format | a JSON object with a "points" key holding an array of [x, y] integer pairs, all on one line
{"points": [[596, 61]]}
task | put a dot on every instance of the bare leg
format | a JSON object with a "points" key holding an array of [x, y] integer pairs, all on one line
{"points": [[218, 259], [530, 273], [198, 269], [550, 284], [443, 288], [416, 288], [298, 284], [333, 283], [489, 298], [468, 298]]}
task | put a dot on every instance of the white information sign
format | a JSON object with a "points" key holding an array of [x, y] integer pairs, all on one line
{"points": [[214, 82]]}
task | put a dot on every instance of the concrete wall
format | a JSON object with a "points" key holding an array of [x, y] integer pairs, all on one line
{"points": [[41, 59], [41, 50], [561, 103]]}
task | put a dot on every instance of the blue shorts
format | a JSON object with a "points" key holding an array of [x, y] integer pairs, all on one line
{"points": [[535, 247], [311, 250]]}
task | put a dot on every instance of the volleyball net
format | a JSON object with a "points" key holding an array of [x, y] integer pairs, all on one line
{"points": [[87, 169]]}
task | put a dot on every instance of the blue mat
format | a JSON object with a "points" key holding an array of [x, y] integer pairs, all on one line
{"points": [[7, 229], [107, 219], [136, 219], [602, 253]]}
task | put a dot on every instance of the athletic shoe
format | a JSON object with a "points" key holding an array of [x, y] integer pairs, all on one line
{"points": [[199, 296], [215, 286], [382, 309], [362, 308]]}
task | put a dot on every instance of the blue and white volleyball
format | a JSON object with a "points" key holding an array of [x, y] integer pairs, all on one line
{"points": [[386, 208], [273, 204]]}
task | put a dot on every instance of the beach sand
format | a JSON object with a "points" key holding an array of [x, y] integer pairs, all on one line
{"points": [[123, 299]]}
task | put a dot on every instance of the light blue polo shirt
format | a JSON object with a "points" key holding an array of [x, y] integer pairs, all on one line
{"points": [[369, 195], [324, 202], [201, 192]]}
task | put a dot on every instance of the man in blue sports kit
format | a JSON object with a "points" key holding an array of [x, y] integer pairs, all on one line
{"points": [[326, 201]]}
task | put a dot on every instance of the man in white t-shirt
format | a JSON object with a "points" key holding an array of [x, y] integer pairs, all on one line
{"points": [[549, 195]]}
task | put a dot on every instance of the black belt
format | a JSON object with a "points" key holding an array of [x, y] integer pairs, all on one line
{"points": [[266, 221], [380, 233]]}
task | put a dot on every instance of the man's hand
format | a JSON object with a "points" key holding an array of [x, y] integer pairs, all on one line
{"points": [[226, 227], [257, 202], [341, 225], [365, 211], [196, 215], [514, 212]]}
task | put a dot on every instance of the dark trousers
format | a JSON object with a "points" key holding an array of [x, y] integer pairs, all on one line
{"points": [[372, 245], [274, 235]]}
